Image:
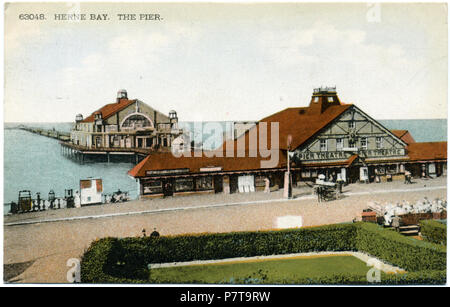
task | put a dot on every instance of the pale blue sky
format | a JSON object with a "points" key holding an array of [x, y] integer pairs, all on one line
{"points": [[227, 62]]}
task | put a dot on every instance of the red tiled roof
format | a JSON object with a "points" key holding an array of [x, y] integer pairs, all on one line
{"points": [[168, 161], [110, 109], [404, 135], [399, 133], [427, 151], [300, 123]]}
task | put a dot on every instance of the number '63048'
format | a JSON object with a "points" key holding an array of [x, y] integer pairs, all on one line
{"points": [[32, 16]]}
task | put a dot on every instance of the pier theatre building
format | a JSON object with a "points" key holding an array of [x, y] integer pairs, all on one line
{"points": [[328, 137]]}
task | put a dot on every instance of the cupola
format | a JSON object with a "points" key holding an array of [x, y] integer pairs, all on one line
{"points": [[322, 98]]}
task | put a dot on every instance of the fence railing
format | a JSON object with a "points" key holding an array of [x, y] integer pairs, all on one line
{"points": [[36, 205]]}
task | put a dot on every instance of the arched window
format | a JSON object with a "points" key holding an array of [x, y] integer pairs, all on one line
{"points": [[136, 121]]}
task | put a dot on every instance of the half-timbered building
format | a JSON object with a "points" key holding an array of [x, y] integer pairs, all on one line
{"points": [[328, 137]]}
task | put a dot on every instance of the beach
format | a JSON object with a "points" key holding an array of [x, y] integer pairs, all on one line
{"points": [[38, 245]]}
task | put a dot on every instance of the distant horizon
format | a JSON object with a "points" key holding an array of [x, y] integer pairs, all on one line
{"points": [[249, 120]]}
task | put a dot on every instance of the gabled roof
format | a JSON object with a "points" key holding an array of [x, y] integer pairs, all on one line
{"points": [[110, 109], [404, 135], [427, 151], [300, 123]]}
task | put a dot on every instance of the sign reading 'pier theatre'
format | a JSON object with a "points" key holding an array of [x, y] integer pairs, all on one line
{"points": [[312, 156]]}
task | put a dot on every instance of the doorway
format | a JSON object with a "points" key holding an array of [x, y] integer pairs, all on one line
{"points": [[168, 188], [218, 184]]}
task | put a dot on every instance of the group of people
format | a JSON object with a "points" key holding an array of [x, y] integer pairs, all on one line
{"points": [[154, 234]]}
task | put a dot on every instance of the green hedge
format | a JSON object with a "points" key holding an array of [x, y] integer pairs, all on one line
{"points": [[97, 262], [410, 278], [433, 231], [113, 260], [405, 252]]}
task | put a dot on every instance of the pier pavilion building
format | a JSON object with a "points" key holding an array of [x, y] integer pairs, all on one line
{"points": [[328, 137], [125, 128], [126, 123]]}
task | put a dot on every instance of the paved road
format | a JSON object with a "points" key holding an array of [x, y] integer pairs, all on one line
{"points": [[50, 245]]}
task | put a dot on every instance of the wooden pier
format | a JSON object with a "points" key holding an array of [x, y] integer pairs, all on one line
{"points": [[83, 154], [51, 133]]}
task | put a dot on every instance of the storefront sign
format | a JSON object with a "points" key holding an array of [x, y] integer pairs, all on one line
{"points": [[211, 169], [168, 171], [339, 155]]}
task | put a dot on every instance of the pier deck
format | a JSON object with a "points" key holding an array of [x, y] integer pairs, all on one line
{"points": [[51, 133], [79, 152]]}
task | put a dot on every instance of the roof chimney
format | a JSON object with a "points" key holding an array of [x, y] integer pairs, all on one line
{"points": [[122, 94]]}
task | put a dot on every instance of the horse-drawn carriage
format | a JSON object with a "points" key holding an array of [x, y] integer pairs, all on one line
{"points": [[327, 191]]}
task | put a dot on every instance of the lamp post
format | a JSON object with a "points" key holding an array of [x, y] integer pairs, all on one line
{"points": [[287, 180]]}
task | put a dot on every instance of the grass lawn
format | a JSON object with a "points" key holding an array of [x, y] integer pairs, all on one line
{"points": [[273, 269]]}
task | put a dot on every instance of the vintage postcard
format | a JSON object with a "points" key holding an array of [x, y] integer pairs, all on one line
{"points": [[225, 144]]}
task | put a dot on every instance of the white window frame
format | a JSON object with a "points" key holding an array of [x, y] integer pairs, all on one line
{"points": [[339, 143], [364, 145], [379, 142], [323, 145]]}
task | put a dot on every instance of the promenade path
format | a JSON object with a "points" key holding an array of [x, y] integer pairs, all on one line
{"points": [[48, 240]]}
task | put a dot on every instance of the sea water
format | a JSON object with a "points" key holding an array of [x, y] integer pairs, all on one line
{"points": [[33, 162]]}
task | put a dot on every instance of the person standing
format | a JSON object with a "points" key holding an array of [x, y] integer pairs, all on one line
{"points": [[267, 185], [407, 177]]}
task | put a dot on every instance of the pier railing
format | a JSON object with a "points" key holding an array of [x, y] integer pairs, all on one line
{"points": [[38, 204], [87, 149], [52, 133]]}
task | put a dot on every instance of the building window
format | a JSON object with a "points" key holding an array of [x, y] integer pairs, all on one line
{"points": [[391, 169], [351, 143], [306, 174], [330, 99], [379, 142], [316, 99], [204, 183], [136, 121], [184, 184], [153, 187], [351, 124], [323, 145], [364, 143], [339, 143]]}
